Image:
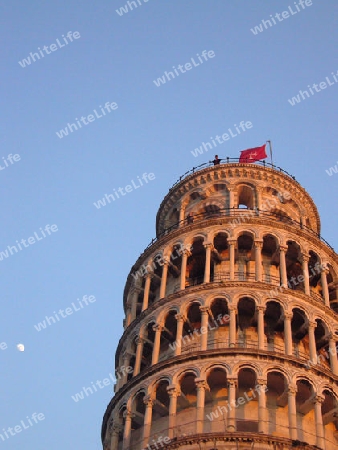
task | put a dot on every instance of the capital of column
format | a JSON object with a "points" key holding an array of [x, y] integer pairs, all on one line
{"points": [[180, 317], [165, 261], [114, 428], [232, 241], [157, 327], [128, 415], [261, 308], [258, 244], [283, 248], [126, 355], [173, 391], [186, 252], [305, 257], [312, 324], [324, 269], [292, 390], [148, 275], [208, 245], [232, 308], [135, 290], [232, 382], [139, 340], [261, 381], [201, 384], [148, 401], [318, 399], [204, 309], [288, 315]]}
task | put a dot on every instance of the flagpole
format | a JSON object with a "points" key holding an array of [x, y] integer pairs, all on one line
{"points": [[270, 146]]}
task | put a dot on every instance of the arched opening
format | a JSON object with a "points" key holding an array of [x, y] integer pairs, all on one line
{"points": [[314, 274], [247, 411], [277, 403], [168, 335], [211, 211], [270, 260], [186, 405], [247, 323], [220, 257], [332, 282], [139, 301], [281, 215], [132, 359], [216, 400], [322, 338], [218, 335], [137, 409], [330, 417], [274, 326], [121, 424], [294, 269], [245, 258], [160, 413], [196, 263], [173, 219], [245, 197], [174, 269], [148, 344], [300, 336], [191, 329], [305, 412], [157, 269]]}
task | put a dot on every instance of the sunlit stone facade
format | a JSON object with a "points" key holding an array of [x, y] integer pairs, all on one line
{"points": [[231, 321]]}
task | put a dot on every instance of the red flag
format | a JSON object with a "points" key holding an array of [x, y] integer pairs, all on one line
{"points": [[253, 154]]}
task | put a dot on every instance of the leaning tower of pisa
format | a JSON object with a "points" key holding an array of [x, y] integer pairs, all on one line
{"points": [[231, 322]]}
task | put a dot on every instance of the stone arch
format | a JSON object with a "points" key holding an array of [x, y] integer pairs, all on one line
{"points": [[180, 373]]}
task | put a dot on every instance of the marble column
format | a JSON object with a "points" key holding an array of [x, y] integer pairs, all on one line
{"points": [[114, 436], [201, 386], [318, 400], [138, 357], [292, 412], [312, 342], [260, 326], [232, 385], [258, 260], [232, 327], [232, 244], [333, 355], [208, 248], [325, 288], [127, 430], [148, 278], [204, 326], [282, 266], [262, 411], [179, 332], [288, 333], [185, 255], [164, 278], [148, 401], [156, 349], [305, 266], [173, 393]]}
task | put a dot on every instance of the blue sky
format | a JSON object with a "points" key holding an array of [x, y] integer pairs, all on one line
{"points": [[153, 130]]}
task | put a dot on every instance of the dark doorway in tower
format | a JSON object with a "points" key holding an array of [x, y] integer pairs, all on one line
{"points": [[247, 412], [196, 263], [220, 258]]}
